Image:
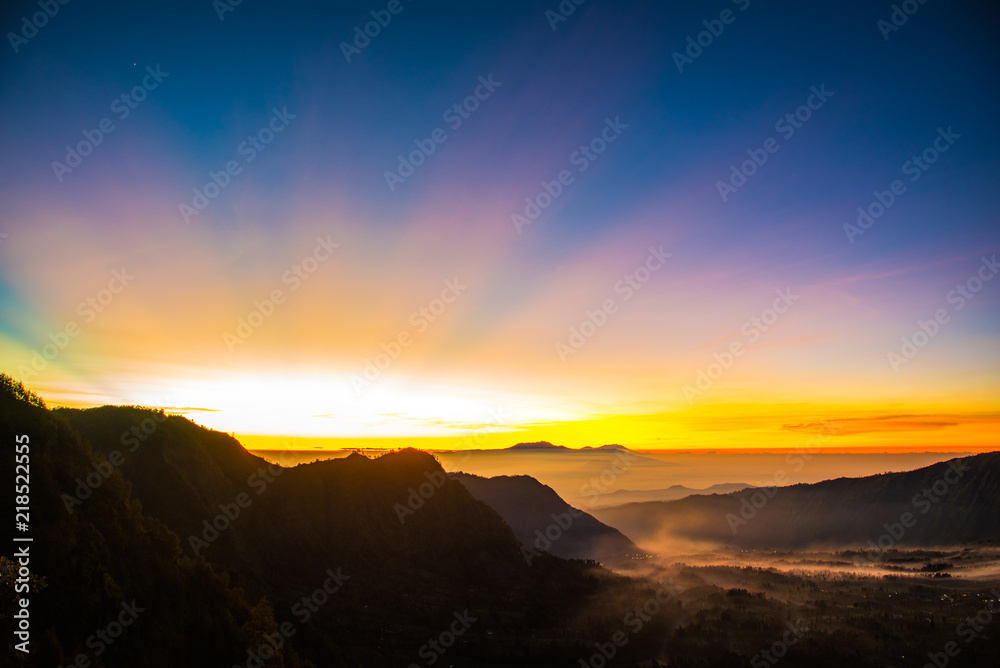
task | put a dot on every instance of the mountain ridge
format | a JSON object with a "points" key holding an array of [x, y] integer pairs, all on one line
{"points": [[671, 493], [540, 518], [400, 529], [839, 512]]}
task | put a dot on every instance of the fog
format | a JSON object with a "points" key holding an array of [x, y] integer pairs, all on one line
{"points": [[584, 478]]}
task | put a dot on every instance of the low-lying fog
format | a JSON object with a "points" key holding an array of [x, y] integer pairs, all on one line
{"points": [[591, 479], [967, 563]]}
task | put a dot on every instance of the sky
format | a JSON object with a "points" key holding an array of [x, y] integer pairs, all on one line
{"points": [[451, 225]]}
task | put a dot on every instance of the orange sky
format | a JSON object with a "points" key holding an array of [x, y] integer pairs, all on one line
{"points": [[162, 342], [642, 304]]}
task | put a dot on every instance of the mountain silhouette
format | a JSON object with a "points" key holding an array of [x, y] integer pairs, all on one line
{"points": [[538, 445], [107, 553], [949, 503], [227, 545], [622, 496], [215, 550], [542, 519]]}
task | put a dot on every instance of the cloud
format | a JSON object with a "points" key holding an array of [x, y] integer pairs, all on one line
{"points": [[888, 423]]}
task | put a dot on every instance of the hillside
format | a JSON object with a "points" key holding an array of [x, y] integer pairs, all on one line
{"points": [[540, 518], [674, 492], [108, 552], [949, 503], [415, 544]]}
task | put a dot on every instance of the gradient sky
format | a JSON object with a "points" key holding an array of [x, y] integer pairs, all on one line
{"points": [[487, 371]]}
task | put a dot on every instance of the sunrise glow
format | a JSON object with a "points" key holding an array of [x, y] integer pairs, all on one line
{"points": [[581, 272]]}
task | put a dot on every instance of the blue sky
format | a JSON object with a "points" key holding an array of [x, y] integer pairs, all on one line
{"points": [[656, 184]]}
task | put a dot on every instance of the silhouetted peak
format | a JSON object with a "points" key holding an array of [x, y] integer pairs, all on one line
{"points": [[537, 445], [613, 446]]}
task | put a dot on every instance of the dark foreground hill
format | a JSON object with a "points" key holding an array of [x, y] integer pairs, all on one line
{"points": [[106, 559], [950, 503], [352, 562], [541, 519]]}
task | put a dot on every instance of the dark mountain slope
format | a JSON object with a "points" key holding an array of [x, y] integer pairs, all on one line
{"points": [[528, 506], [356, 510], [949, 503], [104, 554], [674, 492], [415, 544], [180, 471]]}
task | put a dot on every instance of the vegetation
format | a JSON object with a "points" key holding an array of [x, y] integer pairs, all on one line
{"points": [[107, 552]]}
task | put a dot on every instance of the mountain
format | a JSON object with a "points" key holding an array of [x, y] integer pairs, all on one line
{"points": [[226, 560], [409, 546], [622, 496], [545, 445], [578, 476], [538, 445], [949, 503], [107, 558], [540, 518]]}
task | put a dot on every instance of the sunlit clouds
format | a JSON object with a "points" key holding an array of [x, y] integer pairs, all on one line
{"points": [[308, 299]]}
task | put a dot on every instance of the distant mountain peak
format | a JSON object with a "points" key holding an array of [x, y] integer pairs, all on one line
{"points": [[537, 445], [611, 446], [545, 445]]}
